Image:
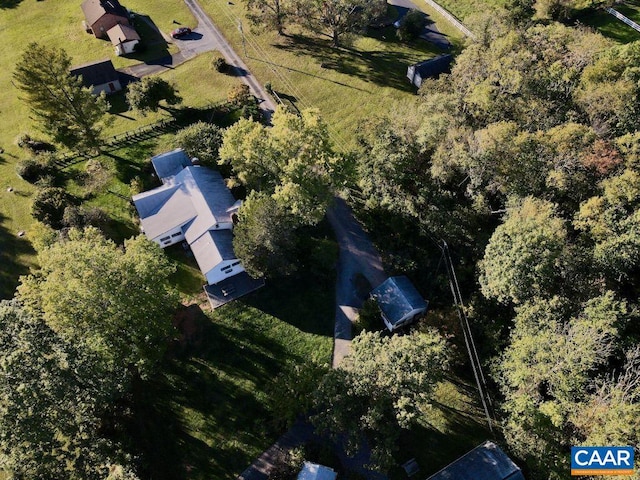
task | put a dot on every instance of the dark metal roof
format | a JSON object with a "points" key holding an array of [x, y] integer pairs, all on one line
{"points": [[95, 9], [485, 462], [96, 73], [434, 66], [397, 297]]}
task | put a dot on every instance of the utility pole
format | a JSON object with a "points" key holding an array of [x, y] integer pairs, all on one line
{"points": [[244, 46]]}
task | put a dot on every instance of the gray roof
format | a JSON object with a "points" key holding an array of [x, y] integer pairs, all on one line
{"points": [[196, 199], [122, 34], [434, 66], [95, 9], [96, 73], [212, 248], [169, 164], [485, 462], [313, 471], [397, 297]]}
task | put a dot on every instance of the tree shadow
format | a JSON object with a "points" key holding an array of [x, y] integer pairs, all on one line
{"points": [[384, 68], [154, 45], [13, 248], [6, 4]]}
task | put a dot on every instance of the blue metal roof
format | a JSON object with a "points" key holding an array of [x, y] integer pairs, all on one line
{"points": [[397, 297], [485, 462]]}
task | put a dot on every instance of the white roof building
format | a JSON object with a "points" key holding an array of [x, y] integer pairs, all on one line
{"points": [[313, 471], [194, 205]]}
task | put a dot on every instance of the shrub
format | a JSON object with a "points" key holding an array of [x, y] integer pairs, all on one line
{"points": [[411, 26], [49, 204], [28, 170], [240, 95], [269, 88], [219, 64], [369, 318], [22, 139]]}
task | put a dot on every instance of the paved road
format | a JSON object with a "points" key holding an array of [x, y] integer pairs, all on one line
{"points": [[430, 32], [357, 255], [205, 38]]}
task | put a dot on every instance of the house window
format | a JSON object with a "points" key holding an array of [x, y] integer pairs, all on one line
{"points": [[164, 239], [177, 234], [235, 263]]}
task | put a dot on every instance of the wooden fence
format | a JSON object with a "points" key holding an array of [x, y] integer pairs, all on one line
{"points": [[450, 18]]}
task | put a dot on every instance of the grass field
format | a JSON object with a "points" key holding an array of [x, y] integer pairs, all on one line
{"points": [[611, 27], [462, 9], [347, 84], [206, 415]]}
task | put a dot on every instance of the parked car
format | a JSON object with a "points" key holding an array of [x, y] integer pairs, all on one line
{"points": [[181, 32]]}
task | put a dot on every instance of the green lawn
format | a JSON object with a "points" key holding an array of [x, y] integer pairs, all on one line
{"points": [[610, 26], [346, 85], [206, 416], [462, 9]]}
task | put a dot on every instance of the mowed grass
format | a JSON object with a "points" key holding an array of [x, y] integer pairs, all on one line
{"points": [[610, 26], [206, 415], [347, 85], [462, 9]]}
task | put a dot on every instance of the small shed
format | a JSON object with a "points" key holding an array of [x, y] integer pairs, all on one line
{"points": [[100, 76], [102, 15], [124, 38], [399, 302], [485, 462], [429, 68], [313, 471]]}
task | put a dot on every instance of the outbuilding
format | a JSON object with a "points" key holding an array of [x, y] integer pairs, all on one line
{"points": [[124, 38], [399, 302], [429, 69], [100, 76], [485, 462], [102, 15], [313, 471]]}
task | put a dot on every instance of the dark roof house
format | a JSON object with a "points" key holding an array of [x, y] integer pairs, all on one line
{"points": [[429, 68], [101, 76], [399, 302], [485, 462], [102, 15]]}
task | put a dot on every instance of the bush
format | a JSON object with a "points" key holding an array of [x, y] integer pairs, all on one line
{"points": [[369, 318], [240, 95], [49, 204], [269, 88], [219, 64], [411, 26], [33, 169], [22, 139]]}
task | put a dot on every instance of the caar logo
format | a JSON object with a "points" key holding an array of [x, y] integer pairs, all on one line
{"points": [[601, 460]]}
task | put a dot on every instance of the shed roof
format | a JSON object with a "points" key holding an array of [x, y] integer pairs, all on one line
{"points": [[121, 34], [434, 66], [96, 73], [169, 164], [485, 462], [313, 471], [95, 9], [397, 297]]}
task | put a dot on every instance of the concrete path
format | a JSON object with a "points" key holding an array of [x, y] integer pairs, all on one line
{"points": [[430, 32], [357, 255], [204, 38]]}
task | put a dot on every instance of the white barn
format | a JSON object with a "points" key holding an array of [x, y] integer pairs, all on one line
{"points": [[399, 302], [192, 205]]}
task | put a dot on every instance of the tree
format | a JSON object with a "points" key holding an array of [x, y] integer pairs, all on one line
{"points": [[545, 374], [51, 401], [338, 17], [294, 161], [411, 26], [113, 304], [66, 110], [49, 204], [146, 95], [268, 13], [265, 238], [383, 386], [524, 257], [200, 140]]}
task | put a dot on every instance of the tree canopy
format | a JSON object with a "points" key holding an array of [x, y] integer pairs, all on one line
{"points": [[66, 110], [147, 94]]}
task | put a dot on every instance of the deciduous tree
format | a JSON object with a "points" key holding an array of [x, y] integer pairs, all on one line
{"points": [[146, 95], [269, 13], [201, 140]]}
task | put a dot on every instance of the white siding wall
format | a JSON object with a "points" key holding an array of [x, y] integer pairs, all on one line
{"points": [[223, 270], [126, 48], [105, 87]]}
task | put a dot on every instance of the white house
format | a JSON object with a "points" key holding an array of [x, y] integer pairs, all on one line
{"points": [[193, 205], [124, 38], [399, 301]]}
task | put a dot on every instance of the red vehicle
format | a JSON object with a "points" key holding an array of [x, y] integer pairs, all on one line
{"points": [[181, 32]]}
